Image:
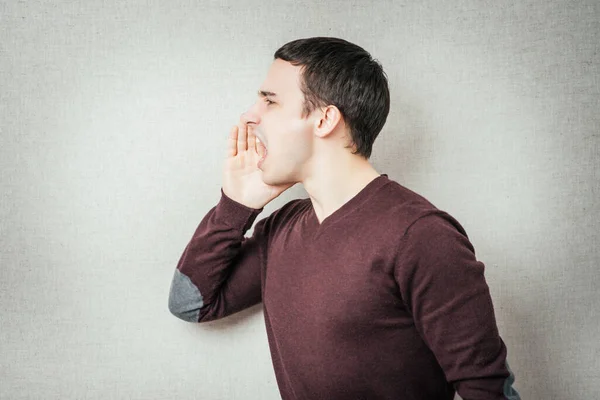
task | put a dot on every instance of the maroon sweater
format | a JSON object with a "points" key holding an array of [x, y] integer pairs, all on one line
{"points": [[382, 300]]}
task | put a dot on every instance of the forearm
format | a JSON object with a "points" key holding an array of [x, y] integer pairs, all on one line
{"points": [[217, 249]]}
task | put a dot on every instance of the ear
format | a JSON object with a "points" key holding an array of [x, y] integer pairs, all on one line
{"points": [[329, 120]]}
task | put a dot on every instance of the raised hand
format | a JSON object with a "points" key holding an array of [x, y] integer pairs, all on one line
{"points": [[242, 179]]}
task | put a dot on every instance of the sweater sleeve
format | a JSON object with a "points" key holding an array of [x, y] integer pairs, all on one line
{"points": [[219, 272], [443, 286]]}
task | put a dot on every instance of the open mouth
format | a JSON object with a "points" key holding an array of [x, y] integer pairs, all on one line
{"points": [[262, 152]]}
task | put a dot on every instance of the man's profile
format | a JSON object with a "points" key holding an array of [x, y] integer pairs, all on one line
{"points": [[369, 291]]}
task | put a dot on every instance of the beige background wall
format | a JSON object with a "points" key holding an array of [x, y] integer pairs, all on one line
{"points": [[113, 118]]}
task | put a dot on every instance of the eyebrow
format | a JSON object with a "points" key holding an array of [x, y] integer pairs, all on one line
{"points": [[264, 93]]}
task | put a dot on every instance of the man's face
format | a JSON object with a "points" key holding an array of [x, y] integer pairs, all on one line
{"points": [[278, 123]]}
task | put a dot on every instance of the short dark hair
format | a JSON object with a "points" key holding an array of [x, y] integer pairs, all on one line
{"points": [[337, 72]]}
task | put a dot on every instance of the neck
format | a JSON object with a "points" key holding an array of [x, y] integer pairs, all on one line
{"points": [[333, 181]]}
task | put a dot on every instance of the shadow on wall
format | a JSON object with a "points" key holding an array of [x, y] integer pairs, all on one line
{"points": [[517, 314], [400, 149]]}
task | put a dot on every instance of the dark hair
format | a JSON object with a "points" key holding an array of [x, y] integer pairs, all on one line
{"points": [[337, 72]]}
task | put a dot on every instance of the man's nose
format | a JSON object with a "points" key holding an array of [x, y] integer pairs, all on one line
{"points": [[251, 116]]}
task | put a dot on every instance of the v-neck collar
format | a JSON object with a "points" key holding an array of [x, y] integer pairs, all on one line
{"points": [[347, 207]]}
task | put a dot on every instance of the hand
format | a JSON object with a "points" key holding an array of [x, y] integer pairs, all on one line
{"points": [[242, 179]]}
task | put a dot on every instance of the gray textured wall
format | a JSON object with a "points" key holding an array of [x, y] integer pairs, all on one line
{"points": [[113, 117]]}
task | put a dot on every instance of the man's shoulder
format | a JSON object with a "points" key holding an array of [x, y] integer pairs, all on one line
{"points": [[395, 200], [398, 206]]}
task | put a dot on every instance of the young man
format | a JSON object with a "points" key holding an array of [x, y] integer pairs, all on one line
{"points": [[369, 291]]}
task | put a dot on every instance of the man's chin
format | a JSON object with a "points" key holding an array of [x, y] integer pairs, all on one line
{"points": [[269, 180], [275, 180]]}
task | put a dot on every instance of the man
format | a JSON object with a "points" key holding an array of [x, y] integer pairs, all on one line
{"points": [[368, 290]]}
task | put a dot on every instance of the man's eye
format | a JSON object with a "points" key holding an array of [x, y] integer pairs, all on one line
{"points": [[269, 102]]}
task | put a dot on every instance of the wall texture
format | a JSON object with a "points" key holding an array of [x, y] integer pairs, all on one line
{"points": [[113, 121]]}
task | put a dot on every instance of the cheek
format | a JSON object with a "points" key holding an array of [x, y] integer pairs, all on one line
{"points": [[299, 134], [289, 138]]}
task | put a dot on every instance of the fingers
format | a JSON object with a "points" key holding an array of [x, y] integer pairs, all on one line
{"points": [[232, 142], [251, 139], [242, 139]]}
